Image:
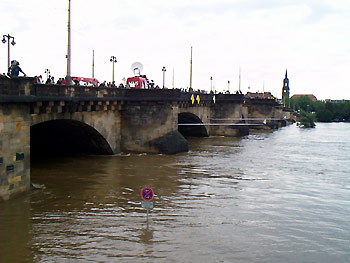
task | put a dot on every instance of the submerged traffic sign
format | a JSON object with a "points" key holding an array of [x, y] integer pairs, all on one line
{"points": [[147, 194], [148, 205]]}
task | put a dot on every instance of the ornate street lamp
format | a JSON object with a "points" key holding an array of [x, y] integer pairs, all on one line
{"points": [[8, 46], [47, 71], [163, 69], [113, 60]]}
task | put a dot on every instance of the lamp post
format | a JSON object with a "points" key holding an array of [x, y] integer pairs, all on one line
{"points": [[163, 69], [8, 46], [228, 86], [93, 64], [211, 84], [113, 60], [191, 70], [47, 71], [68, 56]]}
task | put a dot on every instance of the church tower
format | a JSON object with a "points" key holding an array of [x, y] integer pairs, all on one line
{"points": [[285, 90]]}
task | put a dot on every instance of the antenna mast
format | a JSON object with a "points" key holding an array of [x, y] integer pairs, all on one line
{"points": [[93, 64], [191, 70], [69, 43], [239, 83], [264, 87]]}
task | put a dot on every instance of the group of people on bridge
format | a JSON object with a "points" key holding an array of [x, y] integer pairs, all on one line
{"points": [[14, 70]]}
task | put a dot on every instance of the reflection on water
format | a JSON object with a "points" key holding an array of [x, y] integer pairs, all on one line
{"points": [[269, 197]]}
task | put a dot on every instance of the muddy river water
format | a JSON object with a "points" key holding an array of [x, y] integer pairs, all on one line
{"points": [[281, 196]]}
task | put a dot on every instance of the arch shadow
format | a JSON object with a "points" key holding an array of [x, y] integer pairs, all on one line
{"points": [[189, 130], [66, 138]]}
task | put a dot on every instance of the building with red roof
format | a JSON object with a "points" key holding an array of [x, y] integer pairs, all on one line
{"points": [[311, 96]]}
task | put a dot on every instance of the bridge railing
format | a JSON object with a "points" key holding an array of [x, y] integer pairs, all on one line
{"points": [[23, 89], [14, 86], [48, 90], [76, 91], [229, 97], [266, 101]]}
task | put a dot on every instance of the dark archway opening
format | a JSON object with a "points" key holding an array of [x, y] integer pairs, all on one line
{"points": [[191, 130], [66, 138]]}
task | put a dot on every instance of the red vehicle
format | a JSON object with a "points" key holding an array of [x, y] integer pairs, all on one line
{"points": [[86, 81], [137, 82]]}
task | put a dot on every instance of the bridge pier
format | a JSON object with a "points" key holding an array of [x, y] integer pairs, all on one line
{"points": [[227, 111], [151, 128], [269, 114], [14, 149]]}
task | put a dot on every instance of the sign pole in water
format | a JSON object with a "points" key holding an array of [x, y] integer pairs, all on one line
{"points": [[147, 196]]}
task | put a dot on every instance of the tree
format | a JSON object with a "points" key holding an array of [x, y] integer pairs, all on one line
{"points": [[324, 115], [325, 111], [307, 120], [318, 106], [302, 103]]}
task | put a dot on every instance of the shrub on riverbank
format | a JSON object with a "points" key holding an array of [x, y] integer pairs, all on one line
{"points": [[307, 120]]}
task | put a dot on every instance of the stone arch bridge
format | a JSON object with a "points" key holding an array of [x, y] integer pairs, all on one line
{"points": [[38, 119]]}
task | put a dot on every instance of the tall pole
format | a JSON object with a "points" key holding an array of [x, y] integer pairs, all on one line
{"points": [[113, 60], [211, 84], [93, 64], [8, 46], [263, 87], [163, 69], [173, 78], [191, 70], [69, 43], [239, 84], [112, 72], [8, 53]]}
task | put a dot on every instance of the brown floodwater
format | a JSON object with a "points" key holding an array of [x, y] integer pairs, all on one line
{"points": [[282, 196]]}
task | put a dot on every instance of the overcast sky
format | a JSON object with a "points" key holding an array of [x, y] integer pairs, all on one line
{"points": [[310, 38]]}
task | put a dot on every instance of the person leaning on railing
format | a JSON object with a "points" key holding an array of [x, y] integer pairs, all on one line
{"points": [[15, 69]]}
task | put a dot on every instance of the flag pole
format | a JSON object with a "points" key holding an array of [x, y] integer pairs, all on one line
{"points": [[93, 64], [68, 77], [191, 70]]}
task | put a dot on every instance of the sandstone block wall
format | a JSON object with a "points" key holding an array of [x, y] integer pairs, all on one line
{"points": [[14, 150], [143, 123], [228, 113]]}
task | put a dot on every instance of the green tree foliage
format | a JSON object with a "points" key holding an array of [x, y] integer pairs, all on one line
{"points": [[307, 120], [302, 103], [325, 111], [319, 106], [324, 115]]}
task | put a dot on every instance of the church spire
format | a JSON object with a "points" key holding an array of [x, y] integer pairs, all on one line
{"points": [[285, 90]]}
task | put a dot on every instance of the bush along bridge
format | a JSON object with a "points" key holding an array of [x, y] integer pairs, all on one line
{"points": [[42, 120]]}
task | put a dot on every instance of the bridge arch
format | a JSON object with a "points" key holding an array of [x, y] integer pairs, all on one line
{"points": [[195, 130], [66, 137]]}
